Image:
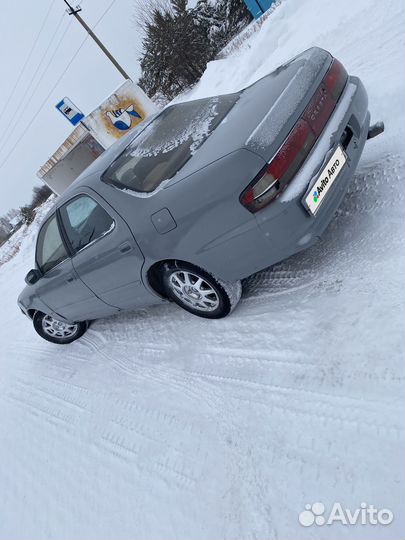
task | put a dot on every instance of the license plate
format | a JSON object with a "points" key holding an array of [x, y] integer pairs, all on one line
{"points": [[329, 174]]}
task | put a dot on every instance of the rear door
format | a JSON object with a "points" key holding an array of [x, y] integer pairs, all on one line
{"points": [[104, 252], [60, 287]]}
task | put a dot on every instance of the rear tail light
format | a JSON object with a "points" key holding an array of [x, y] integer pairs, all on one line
{"points": [[274, 178], [335, 79], [276, 175]]}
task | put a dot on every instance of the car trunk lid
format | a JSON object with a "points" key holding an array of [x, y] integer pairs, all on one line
{"points": [[265, 112], [305, 73]]}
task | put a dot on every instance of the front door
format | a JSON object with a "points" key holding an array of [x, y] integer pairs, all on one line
{"points": [[104, 252], [60, 287]]}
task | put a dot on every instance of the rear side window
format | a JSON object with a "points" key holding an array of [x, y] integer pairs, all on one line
{"points": [[167, 143], [84, 221], [50, 248]]}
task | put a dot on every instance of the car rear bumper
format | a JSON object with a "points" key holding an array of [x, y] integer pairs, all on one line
{"points": [[287, 224]]}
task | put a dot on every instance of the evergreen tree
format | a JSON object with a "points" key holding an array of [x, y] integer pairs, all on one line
{"points": [[179, 42], [175, 51], [205, 14], [27, 214], [226, 19]]}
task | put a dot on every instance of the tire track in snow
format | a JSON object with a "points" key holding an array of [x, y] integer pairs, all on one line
{"points": [[167, 466], [158, 375], [117, 434], [40, 408], [315, 411]]}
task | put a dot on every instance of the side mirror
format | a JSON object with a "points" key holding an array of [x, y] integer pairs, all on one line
{"points": [[33, 276]]}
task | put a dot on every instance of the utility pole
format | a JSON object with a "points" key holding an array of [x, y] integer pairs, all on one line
{"points": [[75, 13]]}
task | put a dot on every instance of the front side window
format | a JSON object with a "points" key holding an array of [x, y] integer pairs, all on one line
{"points": [[84, 221], [167, 143], [50, 248]]}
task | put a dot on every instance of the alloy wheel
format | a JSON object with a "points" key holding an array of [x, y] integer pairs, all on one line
{"points": [[58, 329], [194, 291]]}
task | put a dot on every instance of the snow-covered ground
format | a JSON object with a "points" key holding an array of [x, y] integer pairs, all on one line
{"points": [[158, 424]]}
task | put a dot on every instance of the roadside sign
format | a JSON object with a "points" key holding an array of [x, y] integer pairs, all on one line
{"points": [[69, 111]]}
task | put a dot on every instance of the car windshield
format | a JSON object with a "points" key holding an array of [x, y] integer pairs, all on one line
{"points": [[167, 143]]}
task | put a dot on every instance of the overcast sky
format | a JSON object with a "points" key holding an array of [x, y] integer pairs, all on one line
{"points": [[90, 79]]}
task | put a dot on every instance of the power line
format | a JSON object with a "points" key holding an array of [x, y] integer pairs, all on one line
{"points": [[103, 14], [6, 134], [75, 13], [27, 59], [2, 163]]}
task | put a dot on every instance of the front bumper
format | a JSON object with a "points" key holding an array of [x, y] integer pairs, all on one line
{"points": [[287, 224], [22, 308]]}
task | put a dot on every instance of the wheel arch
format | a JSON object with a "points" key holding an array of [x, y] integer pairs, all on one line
{"points": [[154, 274]]}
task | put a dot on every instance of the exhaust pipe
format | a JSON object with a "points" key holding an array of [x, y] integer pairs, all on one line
{"points": [[375, 129]]}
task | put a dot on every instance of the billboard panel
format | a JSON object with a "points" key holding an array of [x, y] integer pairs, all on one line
{"points": [[119, 113]]}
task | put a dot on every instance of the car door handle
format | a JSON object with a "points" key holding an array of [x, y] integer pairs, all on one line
{"points": [[125, 247], [70, 279]]}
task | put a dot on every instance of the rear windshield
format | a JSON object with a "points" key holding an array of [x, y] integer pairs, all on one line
{"points": [[167, 143]]}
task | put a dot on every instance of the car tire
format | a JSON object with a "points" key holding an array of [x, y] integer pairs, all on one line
{"points": [[198, 291], [56, 331]]}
